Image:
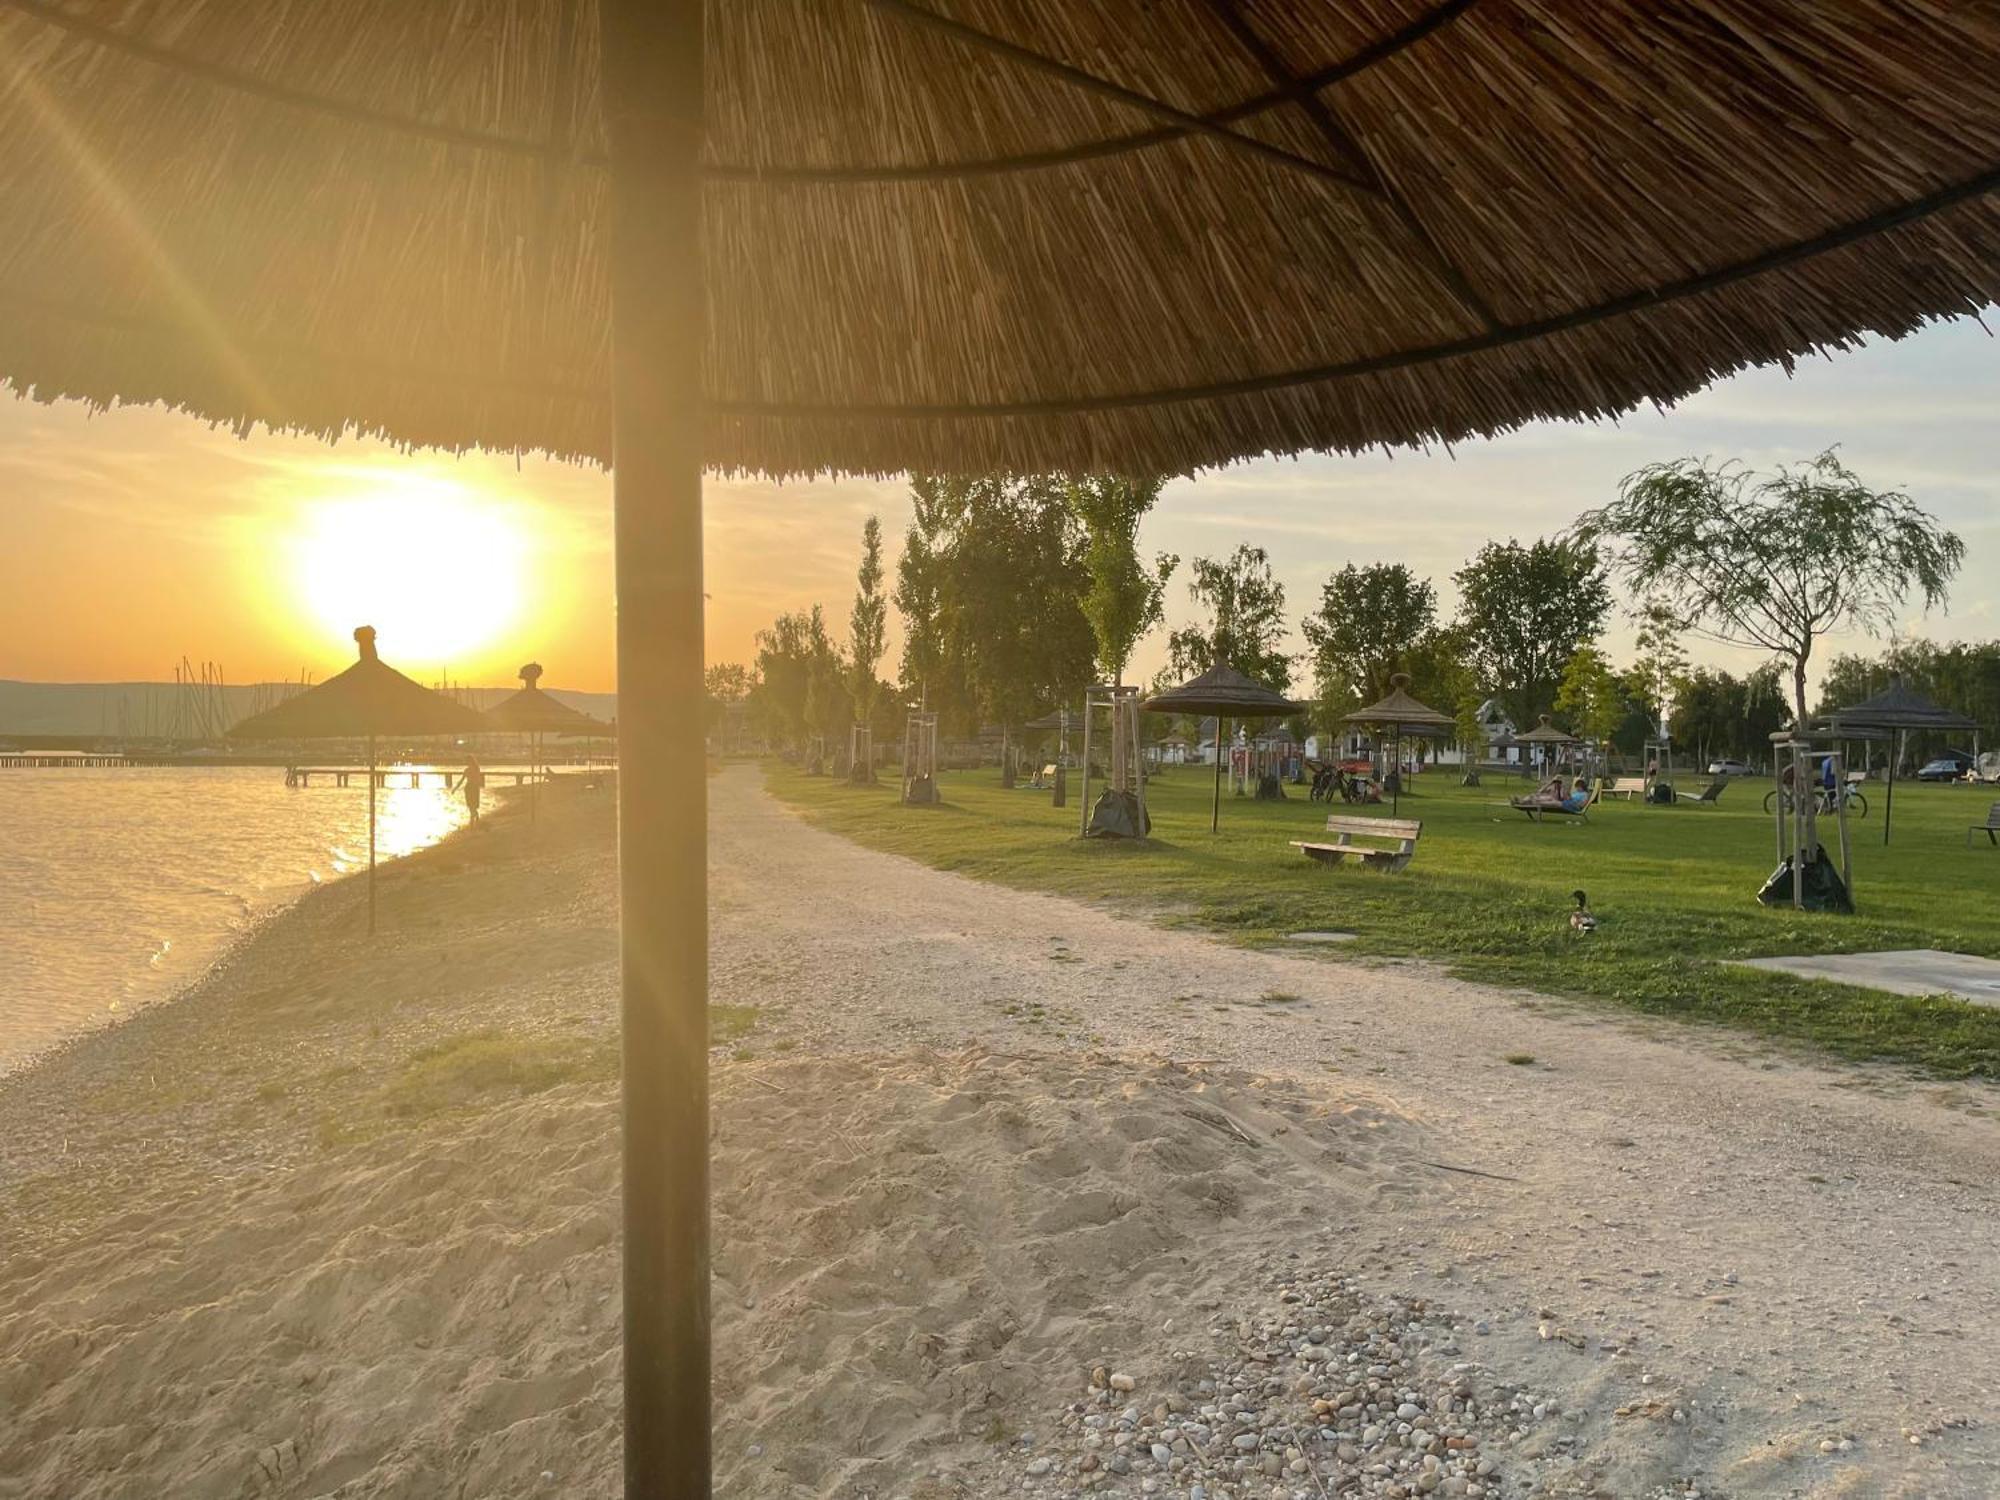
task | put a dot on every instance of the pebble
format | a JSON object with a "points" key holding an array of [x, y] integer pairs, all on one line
{"points": [[1122, 1382]]}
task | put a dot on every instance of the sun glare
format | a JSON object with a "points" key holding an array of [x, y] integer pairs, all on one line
{"points": [[439, 569]]}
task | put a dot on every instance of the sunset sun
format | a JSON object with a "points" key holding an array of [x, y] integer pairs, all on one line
{"points": [[438, 568]]}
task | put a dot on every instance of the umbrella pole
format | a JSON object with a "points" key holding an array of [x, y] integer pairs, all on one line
{"points": [[1215, 806], [371, 835], [1889, 791], [654, 113]]}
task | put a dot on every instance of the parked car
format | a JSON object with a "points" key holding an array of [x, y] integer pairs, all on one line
{"points": [[1728, 768], [1951, 767]]}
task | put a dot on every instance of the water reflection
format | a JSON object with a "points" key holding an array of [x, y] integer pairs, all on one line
{"points": [[409, 818]]}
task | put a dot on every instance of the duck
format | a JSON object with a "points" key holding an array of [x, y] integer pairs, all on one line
{"points": [[1581, 920]]}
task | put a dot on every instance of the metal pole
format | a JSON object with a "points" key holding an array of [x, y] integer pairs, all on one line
{"points": [[654, 113], [1396, 770], [1889, 790], [1215, 806], [371, 835]]}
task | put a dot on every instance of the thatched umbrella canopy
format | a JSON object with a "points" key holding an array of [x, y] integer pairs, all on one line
{"points": [[1895, 711], [534, 713], [1399, 713], [1224, 692], [803, 235], [367, 701]]}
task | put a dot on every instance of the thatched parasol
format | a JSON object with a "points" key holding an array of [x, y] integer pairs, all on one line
{"points": [[1896, 710], [1221, 690], [534, 713], [1545, 733], [368, 700], [1398, 712], [1039, 235]]}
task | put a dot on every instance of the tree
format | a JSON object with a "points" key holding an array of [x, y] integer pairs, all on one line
{"points": [[991, 587], [725, 685], [1245, 608], [1524, 611], [865, 624], [1660, 671], [1774, 561], [1589, 697], [1124, 599], [789, 654], [920, 582], [1368, 623]]}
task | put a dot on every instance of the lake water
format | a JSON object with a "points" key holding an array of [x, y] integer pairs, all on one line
{"points": [[118, 887]]}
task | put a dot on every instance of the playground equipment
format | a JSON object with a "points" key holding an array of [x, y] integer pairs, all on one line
{"points": [[1120, 812], [860, 753], [920, 735], [1806, 879], [1660, 769]]}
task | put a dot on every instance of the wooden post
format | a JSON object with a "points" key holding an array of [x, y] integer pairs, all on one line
{"points": [[371, 835], [654, 107]]}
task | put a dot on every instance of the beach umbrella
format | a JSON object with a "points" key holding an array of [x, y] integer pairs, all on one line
{"points": [[1397, 713], [1545, 733], [1221, 691], [866, 236], [534, 713], [369, 700], [1896, 710]]}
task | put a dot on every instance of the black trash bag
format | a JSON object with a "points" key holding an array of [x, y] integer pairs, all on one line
{"points": [[1118, 816], [1661, 791], [1824, 889]]}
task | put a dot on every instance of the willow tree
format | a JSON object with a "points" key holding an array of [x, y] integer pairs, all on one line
{"points": [[1777, 560], [1125, 595]]}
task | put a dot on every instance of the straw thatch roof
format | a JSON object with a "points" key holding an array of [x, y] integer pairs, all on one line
{"points": [[369, 698], [532, 711], [1222, 690], [1545, 733], [1399, 710], [1142, 235], [1897, 707]]}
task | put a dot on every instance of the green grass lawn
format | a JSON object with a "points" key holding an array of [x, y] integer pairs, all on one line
{"points": [[1488, 894]]}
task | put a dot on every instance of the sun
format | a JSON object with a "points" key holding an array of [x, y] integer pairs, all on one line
{"points": [[439, 568]]}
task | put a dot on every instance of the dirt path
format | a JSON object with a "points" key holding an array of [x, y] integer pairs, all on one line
{"points": [[1793, 1255]]}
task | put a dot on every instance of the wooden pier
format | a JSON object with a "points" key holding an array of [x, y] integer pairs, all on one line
{"points": [[344, 775]]}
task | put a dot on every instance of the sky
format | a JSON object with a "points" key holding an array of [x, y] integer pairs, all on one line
{"points": [[141, 536]]}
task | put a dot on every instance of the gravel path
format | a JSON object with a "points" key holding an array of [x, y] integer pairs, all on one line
{"points": [[1801, 1260]]}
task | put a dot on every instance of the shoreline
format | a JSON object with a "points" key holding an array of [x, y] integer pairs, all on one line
{"points": [[234, 940]]}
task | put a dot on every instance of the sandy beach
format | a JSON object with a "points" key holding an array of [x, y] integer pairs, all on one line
{"points": [[1013, 1195]]}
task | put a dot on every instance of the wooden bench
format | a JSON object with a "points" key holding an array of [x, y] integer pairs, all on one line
{"points": [[1991, 827], [1402, 833], [1627, 787]]}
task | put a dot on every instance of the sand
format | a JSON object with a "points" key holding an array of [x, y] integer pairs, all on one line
{"points": [[343, 1220]]}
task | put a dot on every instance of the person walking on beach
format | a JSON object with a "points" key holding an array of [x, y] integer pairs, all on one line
{"points": [[474, 782]]}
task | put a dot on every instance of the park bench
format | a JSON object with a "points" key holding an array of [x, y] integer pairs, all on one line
{"points": [[1401, 833], [1991, 827], [1627, 787]]}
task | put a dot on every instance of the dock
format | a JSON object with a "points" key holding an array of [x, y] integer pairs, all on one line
{"points": [[344, 775]]}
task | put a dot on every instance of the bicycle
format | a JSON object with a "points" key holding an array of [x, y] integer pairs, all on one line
{"points": [[1824, 801]]}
